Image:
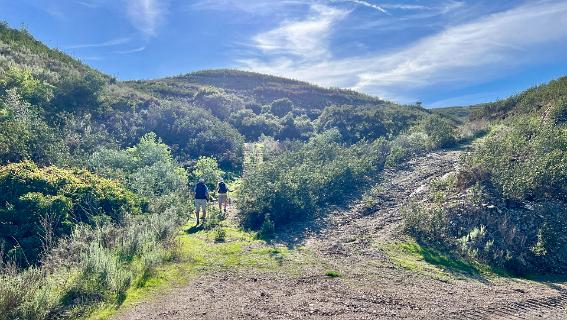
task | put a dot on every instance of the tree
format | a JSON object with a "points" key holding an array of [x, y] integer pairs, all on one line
{"points": [[354, 123], [281, 107], [252, 126], [147, 168], [30, 88], [207, 168]]}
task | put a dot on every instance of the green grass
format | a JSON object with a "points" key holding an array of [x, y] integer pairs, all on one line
{"points": [[198, 253], [332, 274], [412, 256]]}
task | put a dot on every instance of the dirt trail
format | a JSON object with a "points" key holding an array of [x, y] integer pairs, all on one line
{"points": [[370, 285]]}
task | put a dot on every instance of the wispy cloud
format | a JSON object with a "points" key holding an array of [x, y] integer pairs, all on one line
{"points": [[88, 4], [109, 43], [467, 53], [399, 6], [306, 38], [365, 4], [147, 15], [135, 50], [256, 7]]}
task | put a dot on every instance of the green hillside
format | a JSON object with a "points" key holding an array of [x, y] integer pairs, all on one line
{"points": [[513, 182], [96, 176], [548, 101], [256, 89]]}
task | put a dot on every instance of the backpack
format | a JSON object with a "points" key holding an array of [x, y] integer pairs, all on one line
{"points": [[201, 191], [222, 187]]}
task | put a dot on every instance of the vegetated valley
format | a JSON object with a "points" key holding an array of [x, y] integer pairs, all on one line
{"points": [[345, 206]]}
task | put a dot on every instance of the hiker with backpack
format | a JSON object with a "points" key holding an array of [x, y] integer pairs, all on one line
{"points": [[222, 190], [201, 197]]}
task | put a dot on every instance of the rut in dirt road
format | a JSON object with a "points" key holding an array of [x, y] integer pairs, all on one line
{"points": [[370, 285]]}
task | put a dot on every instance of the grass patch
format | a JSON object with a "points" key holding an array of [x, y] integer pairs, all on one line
{"points": [[199, 251], [413, 256], [332, 274]]}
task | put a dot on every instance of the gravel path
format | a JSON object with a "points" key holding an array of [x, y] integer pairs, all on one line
{"points": [[370, 285]]}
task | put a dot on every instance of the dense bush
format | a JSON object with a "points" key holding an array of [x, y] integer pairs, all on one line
{"points": [[281, 107], [440, 133], [30, 88], [208, 169], [363, 122], [148, 168], [40, 205], [220, 103], [430, 133], [253, 126], [24, 135], [507, 203], [525, 159], [193, 132], [296, 184], [354, 123]]}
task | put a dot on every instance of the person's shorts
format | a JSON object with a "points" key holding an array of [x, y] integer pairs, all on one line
{"points": [[200, 204], [223, 197]]}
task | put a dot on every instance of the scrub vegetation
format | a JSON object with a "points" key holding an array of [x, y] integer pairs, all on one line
{"points": [[96, 177]]}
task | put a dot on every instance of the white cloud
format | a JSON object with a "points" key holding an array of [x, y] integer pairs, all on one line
{"points": [[256, 7], [135, 50], [305, 39], [467, 53], [146, 15], [109, 43], [365, 4], [399, 6], [87, 4]]}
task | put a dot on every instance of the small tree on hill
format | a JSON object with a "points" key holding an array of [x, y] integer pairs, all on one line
{"points": [[281, 107], [208, 169]]}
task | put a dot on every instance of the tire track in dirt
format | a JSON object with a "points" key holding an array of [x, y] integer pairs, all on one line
{"points": [[519, 310]]}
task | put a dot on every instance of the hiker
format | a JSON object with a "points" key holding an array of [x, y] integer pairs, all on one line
{"points": [[201, 198], [222, 190]]}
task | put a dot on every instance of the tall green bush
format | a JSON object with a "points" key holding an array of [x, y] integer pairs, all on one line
{"points": [[295, 184], [40, 205], [147, 168], [207, 168]]}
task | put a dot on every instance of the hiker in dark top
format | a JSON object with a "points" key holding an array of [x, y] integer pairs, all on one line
{"points": [[222, 190], [201, 198]]}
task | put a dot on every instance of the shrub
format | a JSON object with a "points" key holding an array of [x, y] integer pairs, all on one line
{"points": [[148, 168], [207, 168], [354, 122], [39, 204], [440, 133], [195, 132], [406, 146], [512, 210], [30, 88], [525, 159], [294, 184], [267, 229], [93, 265], [253, 126], [219, 234], [24, 135], [281, 107]]}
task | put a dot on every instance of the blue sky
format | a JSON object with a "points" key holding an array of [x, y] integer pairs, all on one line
{"points": [[442, 52]]}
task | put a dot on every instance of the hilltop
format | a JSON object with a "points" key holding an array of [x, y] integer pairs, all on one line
{"points": [[256, 88]]}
